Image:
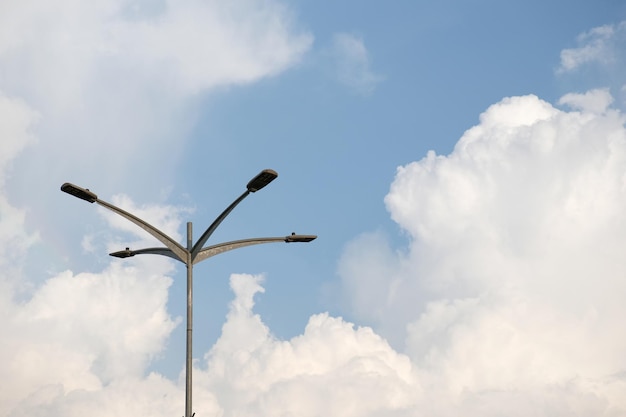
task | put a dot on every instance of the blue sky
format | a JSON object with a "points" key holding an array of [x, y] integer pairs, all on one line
{"points": [[461, 162]]}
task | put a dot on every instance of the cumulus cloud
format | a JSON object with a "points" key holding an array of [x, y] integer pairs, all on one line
{"points": [[352, 63], [80, 343], [78, 334], [509, 294], [83, 341], [332, 368]]}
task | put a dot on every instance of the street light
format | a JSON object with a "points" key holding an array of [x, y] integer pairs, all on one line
{"points": [[192, 253]]}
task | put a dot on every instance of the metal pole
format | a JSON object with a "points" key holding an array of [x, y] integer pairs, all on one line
{"points": [[189, 365], [192, 254]]}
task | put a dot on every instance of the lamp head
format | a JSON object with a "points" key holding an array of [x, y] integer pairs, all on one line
{"points": [[127, 253], [261, 180], [82, 193], [299, 238]]}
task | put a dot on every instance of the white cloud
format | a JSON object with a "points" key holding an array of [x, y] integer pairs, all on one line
{"points": [[209, 44], [599, 60], [596, 45], [332, 368], [352, 63], [80, 333], [513, 280], [83, 340], [595, 101], [70, 47], [116, 83]]}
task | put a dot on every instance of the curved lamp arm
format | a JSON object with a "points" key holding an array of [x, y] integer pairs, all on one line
{"points": [[175, 247], [209, 231], [84, 194], [150, 251], [255, 184], [215, 249], [235, 244]]}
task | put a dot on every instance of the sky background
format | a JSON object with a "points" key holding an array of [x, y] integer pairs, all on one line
{"points": [[462, 162]]}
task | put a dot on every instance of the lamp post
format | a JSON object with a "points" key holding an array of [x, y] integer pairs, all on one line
{"points": [[192, 253]]}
